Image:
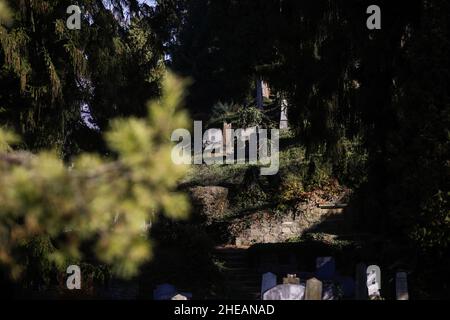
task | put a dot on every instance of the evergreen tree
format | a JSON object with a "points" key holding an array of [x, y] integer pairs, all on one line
{"points": [[49, 73]]}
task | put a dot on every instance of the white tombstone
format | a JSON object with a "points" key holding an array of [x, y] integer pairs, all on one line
{"points": [[286, 292], [373, 281], [401, 286], [269, 280]]}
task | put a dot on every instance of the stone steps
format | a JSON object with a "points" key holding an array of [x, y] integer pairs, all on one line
{"points": [[243, 281], [328, 206]]}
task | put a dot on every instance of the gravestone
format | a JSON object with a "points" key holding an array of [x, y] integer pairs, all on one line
{"points": [[228, 138], [325, 268], [164, 292], [361, 282], [313, 289], [259, 93], [265, 90], [401, 286], [179, 297], [285, 292], [373, 281], [328, 291], [284, 115], [262, 91], [269, 280], [291, 279]]}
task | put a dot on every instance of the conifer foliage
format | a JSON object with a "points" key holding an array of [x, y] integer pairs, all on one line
{"points": [[98, 202], [49, 72]]}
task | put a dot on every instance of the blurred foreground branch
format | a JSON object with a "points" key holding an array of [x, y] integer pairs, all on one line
{"points": [[100, 202]]}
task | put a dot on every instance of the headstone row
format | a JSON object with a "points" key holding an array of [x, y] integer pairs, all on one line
{"points": [[367, 284]]}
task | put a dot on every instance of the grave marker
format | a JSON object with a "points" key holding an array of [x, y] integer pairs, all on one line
{"points": [[401, 286], [328, 291], [313, 289], [259, 93], [373, 281], [284, 115], [228, 138], [269, 280]]}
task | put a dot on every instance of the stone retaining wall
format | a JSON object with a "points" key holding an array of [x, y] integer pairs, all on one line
{"points": [[269, 227], [265, 226]]}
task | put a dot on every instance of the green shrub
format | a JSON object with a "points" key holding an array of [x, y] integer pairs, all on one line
{"points": [[291, 189], [350, 163], [249, 117]]}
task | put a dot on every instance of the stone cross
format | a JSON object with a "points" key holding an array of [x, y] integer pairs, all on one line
{"points": [[313, 289], [401, 286]]}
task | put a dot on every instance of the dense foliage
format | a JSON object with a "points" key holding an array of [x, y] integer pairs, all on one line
{"points": [[99, 204], [50, 73]]}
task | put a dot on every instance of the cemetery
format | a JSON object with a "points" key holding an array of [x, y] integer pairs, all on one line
{"points": [[197, 150], [264, 256]]}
